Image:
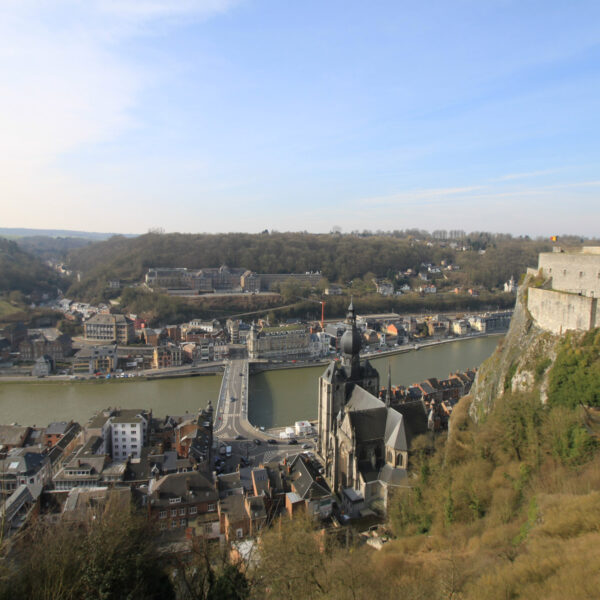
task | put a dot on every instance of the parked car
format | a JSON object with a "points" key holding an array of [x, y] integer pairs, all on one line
{"points": [[271, 441], [292, 442], [306, 446]]}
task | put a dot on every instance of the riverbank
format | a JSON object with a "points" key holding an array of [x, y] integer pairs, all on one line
{"points": [[217, 368], [133, 378], [257, 367]]}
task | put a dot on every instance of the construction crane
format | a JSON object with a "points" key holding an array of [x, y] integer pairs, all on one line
{"points": [[322, 303]]}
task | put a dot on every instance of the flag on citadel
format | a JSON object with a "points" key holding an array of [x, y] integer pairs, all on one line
{"points": [[553, 238]]}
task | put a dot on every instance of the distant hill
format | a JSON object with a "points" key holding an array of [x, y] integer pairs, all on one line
{"points": [[20, 271], [338, 257], [16, 232], [51, 248]]}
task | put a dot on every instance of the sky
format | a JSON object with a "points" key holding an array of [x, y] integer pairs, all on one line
{"points": [[245, 115]]}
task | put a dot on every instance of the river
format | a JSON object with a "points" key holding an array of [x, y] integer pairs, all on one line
{"points": [[277, 398], [299, 387]]}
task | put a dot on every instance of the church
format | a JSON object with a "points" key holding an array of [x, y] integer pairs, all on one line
{"points": [[362, 440]]}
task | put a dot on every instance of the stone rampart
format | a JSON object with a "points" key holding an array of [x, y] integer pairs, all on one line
{"points": [[559, 311], [578, 272]]}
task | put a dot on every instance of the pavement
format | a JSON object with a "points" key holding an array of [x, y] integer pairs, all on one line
{"points": [[231, 418]]}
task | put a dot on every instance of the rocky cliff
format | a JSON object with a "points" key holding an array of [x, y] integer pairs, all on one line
{"points": [[521, 361]]}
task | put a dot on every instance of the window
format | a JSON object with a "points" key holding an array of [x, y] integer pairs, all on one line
{"points": [[174, 523], [174, 500], [239, 533], [212, 507], [208, 528], [163, 526], [174, 512], [183, 522], [182, 511], [162, 514], [193, 510]]}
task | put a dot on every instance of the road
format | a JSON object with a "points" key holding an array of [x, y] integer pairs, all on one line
{"points": [[231, 419]]}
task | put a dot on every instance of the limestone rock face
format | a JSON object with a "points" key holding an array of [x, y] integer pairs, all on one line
{"points": [[520, 363]]}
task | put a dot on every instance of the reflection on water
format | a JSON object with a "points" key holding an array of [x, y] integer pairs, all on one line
{"points": [[282, 397]]}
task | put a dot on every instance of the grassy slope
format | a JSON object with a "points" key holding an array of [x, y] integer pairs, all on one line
{"points": [[6, 308]]}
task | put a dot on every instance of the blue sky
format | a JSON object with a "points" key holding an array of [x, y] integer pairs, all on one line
{"points": [[241, 115]]}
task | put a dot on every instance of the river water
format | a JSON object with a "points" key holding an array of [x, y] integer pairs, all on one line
{"points": [[277, 398], [286, 396]]}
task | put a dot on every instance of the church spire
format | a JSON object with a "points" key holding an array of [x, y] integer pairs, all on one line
{"points": [[388, 393], [351, 344]]}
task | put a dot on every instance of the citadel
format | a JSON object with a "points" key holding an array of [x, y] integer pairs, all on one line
{"points": [[568, 299]]}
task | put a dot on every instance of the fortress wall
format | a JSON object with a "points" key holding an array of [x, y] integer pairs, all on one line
{"points": [[557, 311], [575, 273]]}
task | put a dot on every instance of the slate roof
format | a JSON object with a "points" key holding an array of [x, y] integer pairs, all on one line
{"points": [[230, 483], [368, 425], [395, 433], [190, 487], [256, 507], [260, 479], [58, 428], [360, 400], [307, 481], [393, 475], [234, 507], [13, 435], [415, 418], [22, 463]]}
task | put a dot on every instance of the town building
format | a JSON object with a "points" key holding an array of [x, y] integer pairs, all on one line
{"points": [[177, 499], [84, 468], [55, 432], [109, 328], [94, 359], [43, 366], [362, 440], [128, 432], [284, 342], [23, 466], [166, 357], [333, 290], [384, 287], [13, 436], [37, 345]]}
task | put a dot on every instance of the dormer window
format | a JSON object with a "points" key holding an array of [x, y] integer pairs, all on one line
{"points": [[174, 500]]}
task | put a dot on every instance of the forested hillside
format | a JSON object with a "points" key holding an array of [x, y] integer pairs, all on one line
{"points": [[338, 257], [51, 248], [22, 272]]}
